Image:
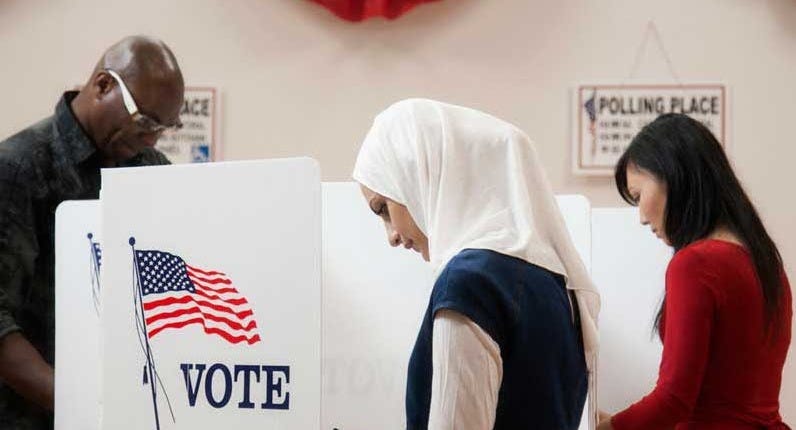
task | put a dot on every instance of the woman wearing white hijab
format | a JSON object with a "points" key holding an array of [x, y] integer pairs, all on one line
{"points": [[502, 344]]}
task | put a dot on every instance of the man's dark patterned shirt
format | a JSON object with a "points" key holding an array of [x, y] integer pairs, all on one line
{"points": [[40, 167]]}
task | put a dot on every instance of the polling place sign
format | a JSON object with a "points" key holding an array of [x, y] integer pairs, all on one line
{"points": [[607, 117], [197, 140]]}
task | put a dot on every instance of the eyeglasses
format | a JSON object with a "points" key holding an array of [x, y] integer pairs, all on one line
{"points": [[141, 120]]}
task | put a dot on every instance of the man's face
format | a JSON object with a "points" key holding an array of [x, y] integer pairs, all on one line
{"points": [[158, 102]]}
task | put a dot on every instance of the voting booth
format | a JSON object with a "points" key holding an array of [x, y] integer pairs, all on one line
{"points": [[77, 315], [374, 298], [628, 267], [249, 295], [211, 296]]}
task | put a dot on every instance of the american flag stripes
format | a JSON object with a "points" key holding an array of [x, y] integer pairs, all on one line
{"points": [[176, 295]]}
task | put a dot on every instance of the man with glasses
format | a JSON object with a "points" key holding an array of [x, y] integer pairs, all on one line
{"points": [[133, 96]]}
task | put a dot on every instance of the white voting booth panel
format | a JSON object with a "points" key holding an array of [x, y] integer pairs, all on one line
{"points": [[374, 297], [629, 265], [227, 257], [371, 374], [77, 315]]}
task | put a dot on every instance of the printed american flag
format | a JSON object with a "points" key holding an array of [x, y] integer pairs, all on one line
{"points": [[96, 263], [97, 253], [176, 295], [590, 109]]}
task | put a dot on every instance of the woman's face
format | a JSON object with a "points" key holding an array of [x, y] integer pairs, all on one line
{"points": [[401, 228], [649, 192]]}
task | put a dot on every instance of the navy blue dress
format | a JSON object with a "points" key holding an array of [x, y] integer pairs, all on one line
{"points": [[526, 311]]}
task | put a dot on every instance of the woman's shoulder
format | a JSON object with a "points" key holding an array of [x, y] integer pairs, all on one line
{"points": [[708, 261], [483, 266], [477, 284], [708, 253], [480, 262], [471, 265]]}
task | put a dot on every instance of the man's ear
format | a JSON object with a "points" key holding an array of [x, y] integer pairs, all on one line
{"points": [[102, 84]]}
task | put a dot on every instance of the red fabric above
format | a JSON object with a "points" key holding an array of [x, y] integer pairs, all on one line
{"points": [[357, 10]]}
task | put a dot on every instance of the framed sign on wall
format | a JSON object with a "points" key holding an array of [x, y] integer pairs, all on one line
{"points": [[197, 141], [605, 118]]}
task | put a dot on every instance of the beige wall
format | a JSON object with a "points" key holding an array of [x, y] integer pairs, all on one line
{"points": [[297, 81]]}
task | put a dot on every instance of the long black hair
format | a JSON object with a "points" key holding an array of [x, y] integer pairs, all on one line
{"points": [[703, 193]]}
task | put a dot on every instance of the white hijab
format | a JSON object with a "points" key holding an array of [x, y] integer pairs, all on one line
{"points": [[471, 180]]}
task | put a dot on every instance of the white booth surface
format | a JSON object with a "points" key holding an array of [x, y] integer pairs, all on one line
{"points": [[628, 266], [338, 353], [77, 349], [374, 298], [211, 319]]}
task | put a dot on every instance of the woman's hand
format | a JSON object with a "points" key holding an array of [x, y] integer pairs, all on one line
{"points": [[605, 421]]}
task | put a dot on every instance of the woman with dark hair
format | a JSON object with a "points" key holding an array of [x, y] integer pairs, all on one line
{"points": [[725, 320]]}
